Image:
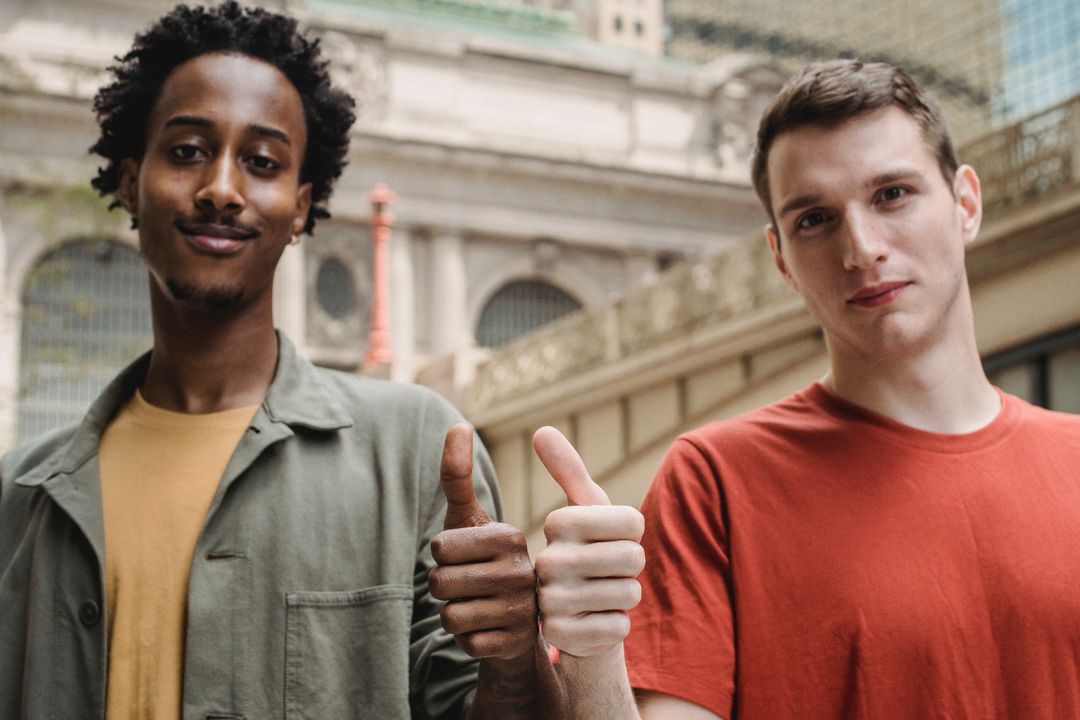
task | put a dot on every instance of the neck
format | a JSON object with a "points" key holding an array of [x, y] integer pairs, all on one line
{"points": [[208, 361], [941, 389]]}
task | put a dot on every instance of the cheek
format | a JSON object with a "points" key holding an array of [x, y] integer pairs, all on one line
{"points": [[278, 204]]}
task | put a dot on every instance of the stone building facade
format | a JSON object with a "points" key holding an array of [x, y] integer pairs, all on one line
{"points": [[529, 162]]}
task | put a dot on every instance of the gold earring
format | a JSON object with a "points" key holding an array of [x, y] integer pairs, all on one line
{"points": [[295, 240]]}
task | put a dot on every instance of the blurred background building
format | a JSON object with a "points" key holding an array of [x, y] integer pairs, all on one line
{"points": [[538, 171], [576, 242], [988, 62]]}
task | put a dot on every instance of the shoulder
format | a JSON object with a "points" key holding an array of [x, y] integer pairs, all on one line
{"points": [[1048, 424], [757, 448], [361, 396], [780, 421], [1050, 419]]}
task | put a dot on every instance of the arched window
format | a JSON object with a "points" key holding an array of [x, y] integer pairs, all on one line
{"points": [[86, 313], [520, 307]]}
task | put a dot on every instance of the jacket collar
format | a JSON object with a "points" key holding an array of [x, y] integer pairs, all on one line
{"points": [[298, 396]]}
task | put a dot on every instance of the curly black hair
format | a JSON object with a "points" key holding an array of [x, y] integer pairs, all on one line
{"points": [[123, 107]]}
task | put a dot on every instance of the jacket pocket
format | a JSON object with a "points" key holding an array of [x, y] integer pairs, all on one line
{"points": [[347, 654]]}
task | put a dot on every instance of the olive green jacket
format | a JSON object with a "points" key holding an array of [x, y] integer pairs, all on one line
{"points": [[308, 590]]}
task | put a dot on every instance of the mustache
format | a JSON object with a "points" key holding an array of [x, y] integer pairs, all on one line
{"points": [[213, 224]]}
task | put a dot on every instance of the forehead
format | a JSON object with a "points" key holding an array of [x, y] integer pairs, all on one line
{"points": [[230, 89], [814, 158]]}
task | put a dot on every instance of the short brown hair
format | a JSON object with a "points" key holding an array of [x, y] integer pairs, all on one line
{"points": [[832, 92]]}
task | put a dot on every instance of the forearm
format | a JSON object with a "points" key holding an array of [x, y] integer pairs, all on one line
{"points": [[597, 687], [524, 688]]}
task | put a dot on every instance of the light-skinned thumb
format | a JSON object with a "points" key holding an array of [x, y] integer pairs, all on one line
{"points": [[566, 467], [462, 508]]}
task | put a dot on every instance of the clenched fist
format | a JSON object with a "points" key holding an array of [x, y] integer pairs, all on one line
{"points": [[484, 571], [594, 553]]}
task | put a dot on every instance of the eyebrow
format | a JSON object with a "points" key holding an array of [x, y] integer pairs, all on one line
{"points": [[202, 122], [887, 178]]}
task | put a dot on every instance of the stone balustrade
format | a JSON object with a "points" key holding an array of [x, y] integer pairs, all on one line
{"points": [[737, 281]]}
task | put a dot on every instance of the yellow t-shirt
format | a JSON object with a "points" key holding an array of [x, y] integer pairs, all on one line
{"points": [[159, 472]]}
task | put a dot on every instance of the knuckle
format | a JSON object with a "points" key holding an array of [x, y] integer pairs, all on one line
{"points": [[525, 574], [556, 525], [449, 617], [637, 524], [513, 538], [481, 644], [438, 547], [630, 558], [549, 563], [557, 630], [437, 583], [556, 600], [547, 599], [633, 594], [524, 608]]}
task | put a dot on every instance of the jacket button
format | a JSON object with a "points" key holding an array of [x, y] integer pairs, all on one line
{"points": [[89, 613]]}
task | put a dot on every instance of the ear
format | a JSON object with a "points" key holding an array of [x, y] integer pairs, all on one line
{"points": [[127, 189], [303, 207], [968, 194], [773, 236]]}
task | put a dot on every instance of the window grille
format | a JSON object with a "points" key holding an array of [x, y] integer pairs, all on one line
{"points": [[86, 313], [334, 289], [520, 307]]}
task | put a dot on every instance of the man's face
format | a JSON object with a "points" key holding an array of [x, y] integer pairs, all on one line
{"points": [[217, 192], [870, 234]]}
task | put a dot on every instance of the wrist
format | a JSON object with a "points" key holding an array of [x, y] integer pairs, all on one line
{"points": [[612, 658]]}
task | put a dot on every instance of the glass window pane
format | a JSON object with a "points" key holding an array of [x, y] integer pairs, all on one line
{"points": [[1019, 380], [86, 314], [1064, 379], [520, 307]]}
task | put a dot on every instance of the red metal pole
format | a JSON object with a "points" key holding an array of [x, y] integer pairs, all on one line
{"points": [[379, 351]]}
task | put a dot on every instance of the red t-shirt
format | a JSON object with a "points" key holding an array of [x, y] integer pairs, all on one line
{"points": [[812, 559]]}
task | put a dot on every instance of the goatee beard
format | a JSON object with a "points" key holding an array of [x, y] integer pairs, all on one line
{"points": [[216, 298]]}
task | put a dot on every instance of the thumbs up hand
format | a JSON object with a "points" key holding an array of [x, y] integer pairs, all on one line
{"points": [[594, 553], [484, 571]]}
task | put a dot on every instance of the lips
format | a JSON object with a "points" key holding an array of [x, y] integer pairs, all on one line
{"points": [[879, 294], [216, 238]]}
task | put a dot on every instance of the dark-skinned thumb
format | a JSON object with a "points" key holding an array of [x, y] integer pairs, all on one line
{"points": [[462, 508]]}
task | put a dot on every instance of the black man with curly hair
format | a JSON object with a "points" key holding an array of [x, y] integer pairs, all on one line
{"points": [[230, 531]]}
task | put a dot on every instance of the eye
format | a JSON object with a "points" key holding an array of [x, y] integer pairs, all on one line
{"points": [[263, 163], [811, 220], [185, 152], [891, 194]]}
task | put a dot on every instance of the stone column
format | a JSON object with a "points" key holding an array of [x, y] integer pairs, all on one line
{"points": [[449, 293], [402, 307], [10, 341], [290, 294]]}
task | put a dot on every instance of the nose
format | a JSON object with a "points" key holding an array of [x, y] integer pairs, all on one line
{"points": [[221, 187], [864, 245]]}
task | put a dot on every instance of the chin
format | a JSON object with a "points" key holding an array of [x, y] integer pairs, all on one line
{"points": [[905, 338], [220, 298]]}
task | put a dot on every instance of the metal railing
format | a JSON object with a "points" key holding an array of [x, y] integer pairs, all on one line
{"points": [[1035, 158]]}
